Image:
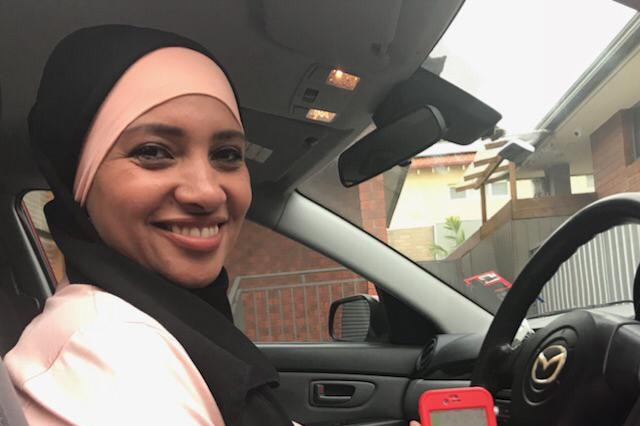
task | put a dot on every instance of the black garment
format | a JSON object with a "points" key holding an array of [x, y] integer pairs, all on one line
{"points": [[78, 76]]}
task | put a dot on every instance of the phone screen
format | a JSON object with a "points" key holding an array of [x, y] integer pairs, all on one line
{"points": [[461, 417]]}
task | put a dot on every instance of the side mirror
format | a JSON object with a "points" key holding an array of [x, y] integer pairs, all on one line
{"points": [[359, 318]]}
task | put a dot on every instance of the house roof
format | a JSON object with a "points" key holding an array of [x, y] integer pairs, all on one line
{"points": [[442, 160], [605, 87]]}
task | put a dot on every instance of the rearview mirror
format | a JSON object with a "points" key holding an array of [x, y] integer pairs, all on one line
{"points": [[359, 318], [390, 145]]}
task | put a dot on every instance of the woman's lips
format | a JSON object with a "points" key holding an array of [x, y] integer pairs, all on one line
{"points": [[203, 239]]}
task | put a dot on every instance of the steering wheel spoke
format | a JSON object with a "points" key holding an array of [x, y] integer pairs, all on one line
{"points": [[622, 366]]}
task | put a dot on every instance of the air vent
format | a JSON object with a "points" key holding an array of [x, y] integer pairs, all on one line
{"points": [[425, 357], [503, 405]]}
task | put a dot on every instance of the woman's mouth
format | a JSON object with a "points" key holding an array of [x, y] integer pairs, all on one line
{"points": [[195, 232], [192, 237]]}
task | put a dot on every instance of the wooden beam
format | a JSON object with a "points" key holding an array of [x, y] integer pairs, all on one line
{"points": [[465, 186], [472, 172], [492, 168], [497, 177], [483, 203], [551, 206], [495, 144], [483, 172], [513, 188], [485, 157]]}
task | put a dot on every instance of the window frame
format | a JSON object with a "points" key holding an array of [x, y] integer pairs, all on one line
{"points": [[34, 238], [462, 194], [506, 187]]}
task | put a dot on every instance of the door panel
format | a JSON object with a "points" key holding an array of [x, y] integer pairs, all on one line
{"points": [[298, 392], [343, 357], [343, 383]]}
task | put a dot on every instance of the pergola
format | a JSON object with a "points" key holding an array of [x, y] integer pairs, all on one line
{"points": [[488, 166]]}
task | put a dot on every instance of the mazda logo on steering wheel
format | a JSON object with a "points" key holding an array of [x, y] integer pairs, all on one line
{"points": [[548, 364]]}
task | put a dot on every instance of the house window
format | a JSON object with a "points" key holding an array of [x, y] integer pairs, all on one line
{"points": [[456, 195], [499, 188], [582, 184]]}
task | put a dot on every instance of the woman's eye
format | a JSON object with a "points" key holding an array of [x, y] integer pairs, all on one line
{"points": [[227, 155], [151, 153]]}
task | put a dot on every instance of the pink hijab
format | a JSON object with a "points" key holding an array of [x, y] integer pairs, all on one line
{"points": [[157, 77]]}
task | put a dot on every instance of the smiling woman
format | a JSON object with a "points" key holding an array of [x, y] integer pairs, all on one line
{"points": [[143, 147], [182, 162]]}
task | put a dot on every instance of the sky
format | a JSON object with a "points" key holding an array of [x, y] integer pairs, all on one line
{"points": [[521, 56]]}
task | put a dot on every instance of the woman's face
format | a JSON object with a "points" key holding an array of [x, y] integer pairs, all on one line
{"points": [[173, 191]]}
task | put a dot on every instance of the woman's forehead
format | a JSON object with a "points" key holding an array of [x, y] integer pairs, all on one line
{"points": [[178, 116]]}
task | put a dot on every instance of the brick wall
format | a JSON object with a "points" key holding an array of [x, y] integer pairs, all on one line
{"points": [[614, 167], [372, 207], [414, 243], [281, 290]]}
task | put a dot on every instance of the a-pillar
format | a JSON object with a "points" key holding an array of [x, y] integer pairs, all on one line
{"points": [[373, 211]]}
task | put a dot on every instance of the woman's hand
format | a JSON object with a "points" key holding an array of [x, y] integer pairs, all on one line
{"points": [[414, 423]]}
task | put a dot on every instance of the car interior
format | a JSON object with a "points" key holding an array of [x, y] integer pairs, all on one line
{"points": [[278, 54]]}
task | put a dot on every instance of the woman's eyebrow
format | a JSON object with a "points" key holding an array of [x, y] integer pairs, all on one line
{"points": [[227, 135], [158, 129], [173, 132]]}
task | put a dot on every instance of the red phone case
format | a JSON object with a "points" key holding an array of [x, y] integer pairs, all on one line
{"points": [[456, 399]]}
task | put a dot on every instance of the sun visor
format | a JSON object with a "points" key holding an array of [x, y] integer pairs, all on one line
{"points": [[466, 117]]}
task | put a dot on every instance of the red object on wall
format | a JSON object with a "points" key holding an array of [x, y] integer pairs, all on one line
{"points": [[489, 279]]}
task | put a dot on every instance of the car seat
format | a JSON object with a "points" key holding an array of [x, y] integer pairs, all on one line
{"points": [[16, 311], [10, 410]]}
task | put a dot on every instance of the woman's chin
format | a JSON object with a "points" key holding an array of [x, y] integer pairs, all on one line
{"points": [[190, 280]]}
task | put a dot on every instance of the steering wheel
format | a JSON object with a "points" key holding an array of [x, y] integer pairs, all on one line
{"points": [[584, 367]]}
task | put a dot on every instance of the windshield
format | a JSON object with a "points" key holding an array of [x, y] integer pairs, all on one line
{"points": [[564, 77]]}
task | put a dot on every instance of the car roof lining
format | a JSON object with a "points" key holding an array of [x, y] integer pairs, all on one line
{"points": [[267, 63]]}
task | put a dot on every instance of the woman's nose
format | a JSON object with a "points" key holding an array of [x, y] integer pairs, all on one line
{"points": [[200, 188]]}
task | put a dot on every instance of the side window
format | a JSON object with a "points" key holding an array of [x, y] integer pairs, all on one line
{"points": [[280, 290], [33, 206]]}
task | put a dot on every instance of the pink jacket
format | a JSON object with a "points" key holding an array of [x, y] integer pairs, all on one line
{"points": [[90, 358]]}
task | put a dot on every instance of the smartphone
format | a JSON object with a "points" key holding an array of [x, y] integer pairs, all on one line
{"points": [[457, 407]]}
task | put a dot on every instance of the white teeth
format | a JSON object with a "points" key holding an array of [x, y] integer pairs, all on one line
{"points": [[207, 232]]}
